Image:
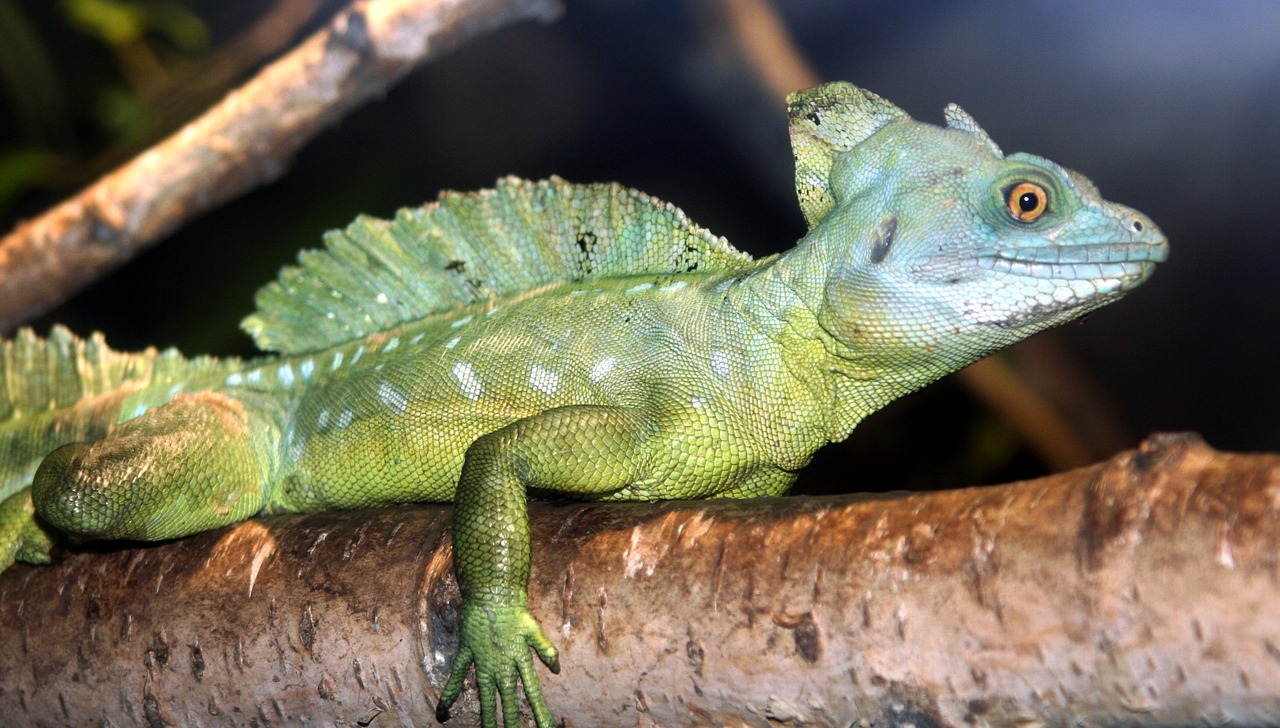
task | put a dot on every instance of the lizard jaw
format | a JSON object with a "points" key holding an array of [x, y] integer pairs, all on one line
{"points": [[1065, 279], [1129, 263], [1108, 268]]}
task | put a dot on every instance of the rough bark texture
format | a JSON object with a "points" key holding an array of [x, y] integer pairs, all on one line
{"points": [[1140, 591], [244, 141]]}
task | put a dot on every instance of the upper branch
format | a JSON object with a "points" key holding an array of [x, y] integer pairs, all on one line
{"points": [[244, 141]]}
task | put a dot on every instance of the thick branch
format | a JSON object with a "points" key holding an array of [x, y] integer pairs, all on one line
{"points": [[1140, 591], [244, 141]]}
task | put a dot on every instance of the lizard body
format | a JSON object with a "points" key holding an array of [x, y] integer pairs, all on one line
{"points": [[563, 340]]}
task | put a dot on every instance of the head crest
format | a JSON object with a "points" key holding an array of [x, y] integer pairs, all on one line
{"points": [[825, 121], [958, 118]]}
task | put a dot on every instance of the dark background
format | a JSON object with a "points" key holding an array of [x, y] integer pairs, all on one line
{"points": [[1170, 107]]}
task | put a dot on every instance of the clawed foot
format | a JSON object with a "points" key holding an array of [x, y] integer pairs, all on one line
{"points": [[496, 638], [22, 537]]}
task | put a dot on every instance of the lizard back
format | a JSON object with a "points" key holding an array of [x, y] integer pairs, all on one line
{"points": [[466, 248]]}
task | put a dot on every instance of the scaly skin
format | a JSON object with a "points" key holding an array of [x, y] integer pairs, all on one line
{"points": [[434, 359]]}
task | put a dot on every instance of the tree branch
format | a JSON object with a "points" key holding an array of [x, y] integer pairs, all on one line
{"points": [[244, 141], [1140, 591]]}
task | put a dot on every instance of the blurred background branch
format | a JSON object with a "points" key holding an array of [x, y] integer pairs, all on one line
{"points": [[245, 140]]}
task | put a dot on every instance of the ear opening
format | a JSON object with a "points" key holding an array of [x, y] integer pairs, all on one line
{"points": [[826, 121]]}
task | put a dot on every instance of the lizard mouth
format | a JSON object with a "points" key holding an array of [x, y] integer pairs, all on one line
{"points": [[1127, 263]]}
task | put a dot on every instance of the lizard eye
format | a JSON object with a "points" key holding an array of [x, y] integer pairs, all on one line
{"points": [[1026, 201]]}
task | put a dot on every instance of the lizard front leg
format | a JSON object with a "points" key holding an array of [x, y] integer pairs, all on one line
{"points": [[577, 450]]}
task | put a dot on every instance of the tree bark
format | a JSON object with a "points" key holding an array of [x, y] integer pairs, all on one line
{"points": [[244, 141], [1139, 591]]}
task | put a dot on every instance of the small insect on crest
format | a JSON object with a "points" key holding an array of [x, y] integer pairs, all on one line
{"points": [[459, 269], [586, 241]]}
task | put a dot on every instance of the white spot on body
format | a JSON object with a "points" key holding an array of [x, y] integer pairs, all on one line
{"points": [[452, 342], [724, 285], [392, 398], [720, 364], [345, 418], [460, 322], [234, 379], [673, 286], [322, 421], [392, 343], [565, 337], [640, 287], [307, 368], [697, 402], [337, 361], [470, 383], [296, 443], [356, 356], [602, 369], [254, 377], [382, 298], [544, 380], [416, 338], [285, 374]]}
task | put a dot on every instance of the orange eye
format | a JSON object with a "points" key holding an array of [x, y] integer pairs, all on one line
{"points": [[1026, 201]]}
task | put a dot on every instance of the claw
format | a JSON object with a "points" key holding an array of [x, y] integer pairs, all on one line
{"points": [[496, 638]]}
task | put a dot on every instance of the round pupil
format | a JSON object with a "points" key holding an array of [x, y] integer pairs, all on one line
{"points": [[1029, 201]]}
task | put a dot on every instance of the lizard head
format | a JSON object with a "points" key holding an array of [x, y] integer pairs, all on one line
{"points": [[939, 249]]}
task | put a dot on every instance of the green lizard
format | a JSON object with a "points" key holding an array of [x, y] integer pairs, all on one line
{"points": [[582, 341]]}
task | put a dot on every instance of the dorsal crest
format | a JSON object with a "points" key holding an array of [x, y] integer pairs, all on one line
{"points": [[826, 121], [40, 375], [470, 247]]}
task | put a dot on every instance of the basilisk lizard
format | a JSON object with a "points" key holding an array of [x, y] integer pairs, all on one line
{"points": [[581, 341]]}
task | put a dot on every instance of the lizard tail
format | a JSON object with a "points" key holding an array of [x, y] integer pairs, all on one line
{"points": [[181, 468], [65, 388]]}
